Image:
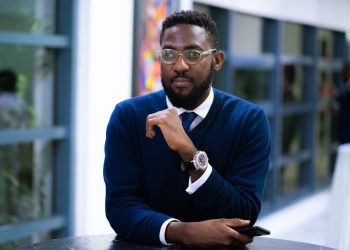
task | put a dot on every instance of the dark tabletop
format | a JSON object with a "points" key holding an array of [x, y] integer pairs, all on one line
{"points": [[109, 242]]}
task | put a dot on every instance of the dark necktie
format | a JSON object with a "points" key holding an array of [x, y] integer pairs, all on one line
{"points": [[187, 119]]}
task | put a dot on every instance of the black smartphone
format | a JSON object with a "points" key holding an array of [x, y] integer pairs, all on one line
{"points": [[253, 231]]}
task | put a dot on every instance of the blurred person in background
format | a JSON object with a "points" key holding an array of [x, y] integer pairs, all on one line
{"points": [[13, 111], [15, 173], [344, 107]]}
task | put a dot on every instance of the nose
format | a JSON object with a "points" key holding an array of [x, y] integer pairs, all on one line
{"points": [[180, 65]]}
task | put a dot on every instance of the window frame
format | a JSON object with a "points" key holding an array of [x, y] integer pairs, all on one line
{"points": [[62, 133], [272, 59]]}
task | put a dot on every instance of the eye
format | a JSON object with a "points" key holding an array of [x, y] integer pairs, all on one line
{"points": [[168, 53], [192, 54]]}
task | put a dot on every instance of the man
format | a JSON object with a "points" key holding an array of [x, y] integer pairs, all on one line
{"points": [[169, 184]]}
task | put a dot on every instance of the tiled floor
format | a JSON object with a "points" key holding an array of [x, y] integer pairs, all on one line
{"points": [[304, 221]]}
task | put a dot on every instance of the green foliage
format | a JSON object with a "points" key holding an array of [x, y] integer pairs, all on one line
{"points": [[36, 25], [22, 85]]}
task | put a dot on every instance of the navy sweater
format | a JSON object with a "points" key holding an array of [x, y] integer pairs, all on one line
{"points": [[145, 185]]}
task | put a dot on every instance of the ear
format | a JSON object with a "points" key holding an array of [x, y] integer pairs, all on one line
{"points": [[218, 59]]}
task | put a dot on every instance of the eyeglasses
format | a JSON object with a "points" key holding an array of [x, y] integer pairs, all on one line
{"points": [[191, 56]]}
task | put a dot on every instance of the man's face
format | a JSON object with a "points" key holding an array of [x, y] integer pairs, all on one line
{"points": [[187, 85]]}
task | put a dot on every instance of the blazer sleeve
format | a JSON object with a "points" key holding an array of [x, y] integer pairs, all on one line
{"points": [[126, 210]]}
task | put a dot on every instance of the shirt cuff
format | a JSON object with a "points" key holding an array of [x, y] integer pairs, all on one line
{"points": [[162, 231], [192, 187]]}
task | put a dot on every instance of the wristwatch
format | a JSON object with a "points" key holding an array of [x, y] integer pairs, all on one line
{"points": [[200, 161]]}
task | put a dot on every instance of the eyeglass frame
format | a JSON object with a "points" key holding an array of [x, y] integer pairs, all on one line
{"points": [[201, 56]]}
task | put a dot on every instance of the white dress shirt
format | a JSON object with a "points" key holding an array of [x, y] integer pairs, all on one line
{"points": [[201, 111]]}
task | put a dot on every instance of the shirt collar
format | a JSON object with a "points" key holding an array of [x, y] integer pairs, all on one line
{"points": [[202, 110]]}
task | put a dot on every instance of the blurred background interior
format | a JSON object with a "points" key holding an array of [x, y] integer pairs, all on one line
{"points": [[64, 64]]}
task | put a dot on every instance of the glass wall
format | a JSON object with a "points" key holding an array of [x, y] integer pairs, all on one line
{"points": [[292, 71], [252, 84], [32, 132], [30, 16]]}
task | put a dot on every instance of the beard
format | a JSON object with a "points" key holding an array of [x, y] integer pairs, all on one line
{"points": [[193, 99]]}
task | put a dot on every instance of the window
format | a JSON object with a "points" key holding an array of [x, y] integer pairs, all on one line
{"points": [[277, 65], [252, 84], [36, 136]]}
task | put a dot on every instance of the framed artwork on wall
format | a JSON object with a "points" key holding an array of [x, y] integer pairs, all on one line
{"points": [[148, 18]]}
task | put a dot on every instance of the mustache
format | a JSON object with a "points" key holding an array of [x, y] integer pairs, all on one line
{"points": [[182, 75]]}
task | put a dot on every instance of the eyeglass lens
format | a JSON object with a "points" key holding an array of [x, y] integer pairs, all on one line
{"points": [[191, 56]]}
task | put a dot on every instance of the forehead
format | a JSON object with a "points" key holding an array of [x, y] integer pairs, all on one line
{"points": [[185, 36]]}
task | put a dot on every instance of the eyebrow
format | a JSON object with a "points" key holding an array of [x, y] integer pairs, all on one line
{"points": [[191, 46]]}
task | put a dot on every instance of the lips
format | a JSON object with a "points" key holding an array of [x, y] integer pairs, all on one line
{"points": [[181, 82]]}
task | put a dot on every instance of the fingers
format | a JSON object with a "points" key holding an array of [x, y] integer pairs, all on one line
{"points": [[236, 222], [159, 118], [240, 239], [243, 239], [217, 233], [150, 122], [235, 238]]}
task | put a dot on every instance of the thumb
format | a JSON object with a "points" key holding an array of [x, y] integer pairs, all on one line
{"points": [[236, 222]]}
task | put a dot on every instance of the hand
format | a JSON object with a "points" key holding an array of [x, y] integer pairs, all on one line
{"points": [[170, 124], [215, 233]]}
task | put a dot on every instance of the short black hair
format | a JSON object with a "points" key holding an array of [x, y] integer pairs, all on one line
{"points": [[195, 18], [8, 81]]}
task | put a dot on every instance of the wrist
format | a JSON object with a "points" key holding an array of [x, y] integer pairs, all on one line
{"points": [[175, 232], [187, 152], [196, 174]]}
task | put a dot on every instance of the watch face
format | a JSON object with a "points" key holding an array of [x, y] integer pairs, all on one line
{"points": [[202, 160]]}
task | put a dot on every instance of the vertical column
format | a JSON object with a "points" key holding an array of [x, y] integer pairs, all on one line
{"points": [[272, 43], [310, 48], [64, 116], [224, 18]]}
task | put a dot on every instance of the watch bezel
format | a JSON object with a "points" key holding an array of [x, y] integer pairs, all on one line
{"points": [[198, 160], [195, 163]]}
